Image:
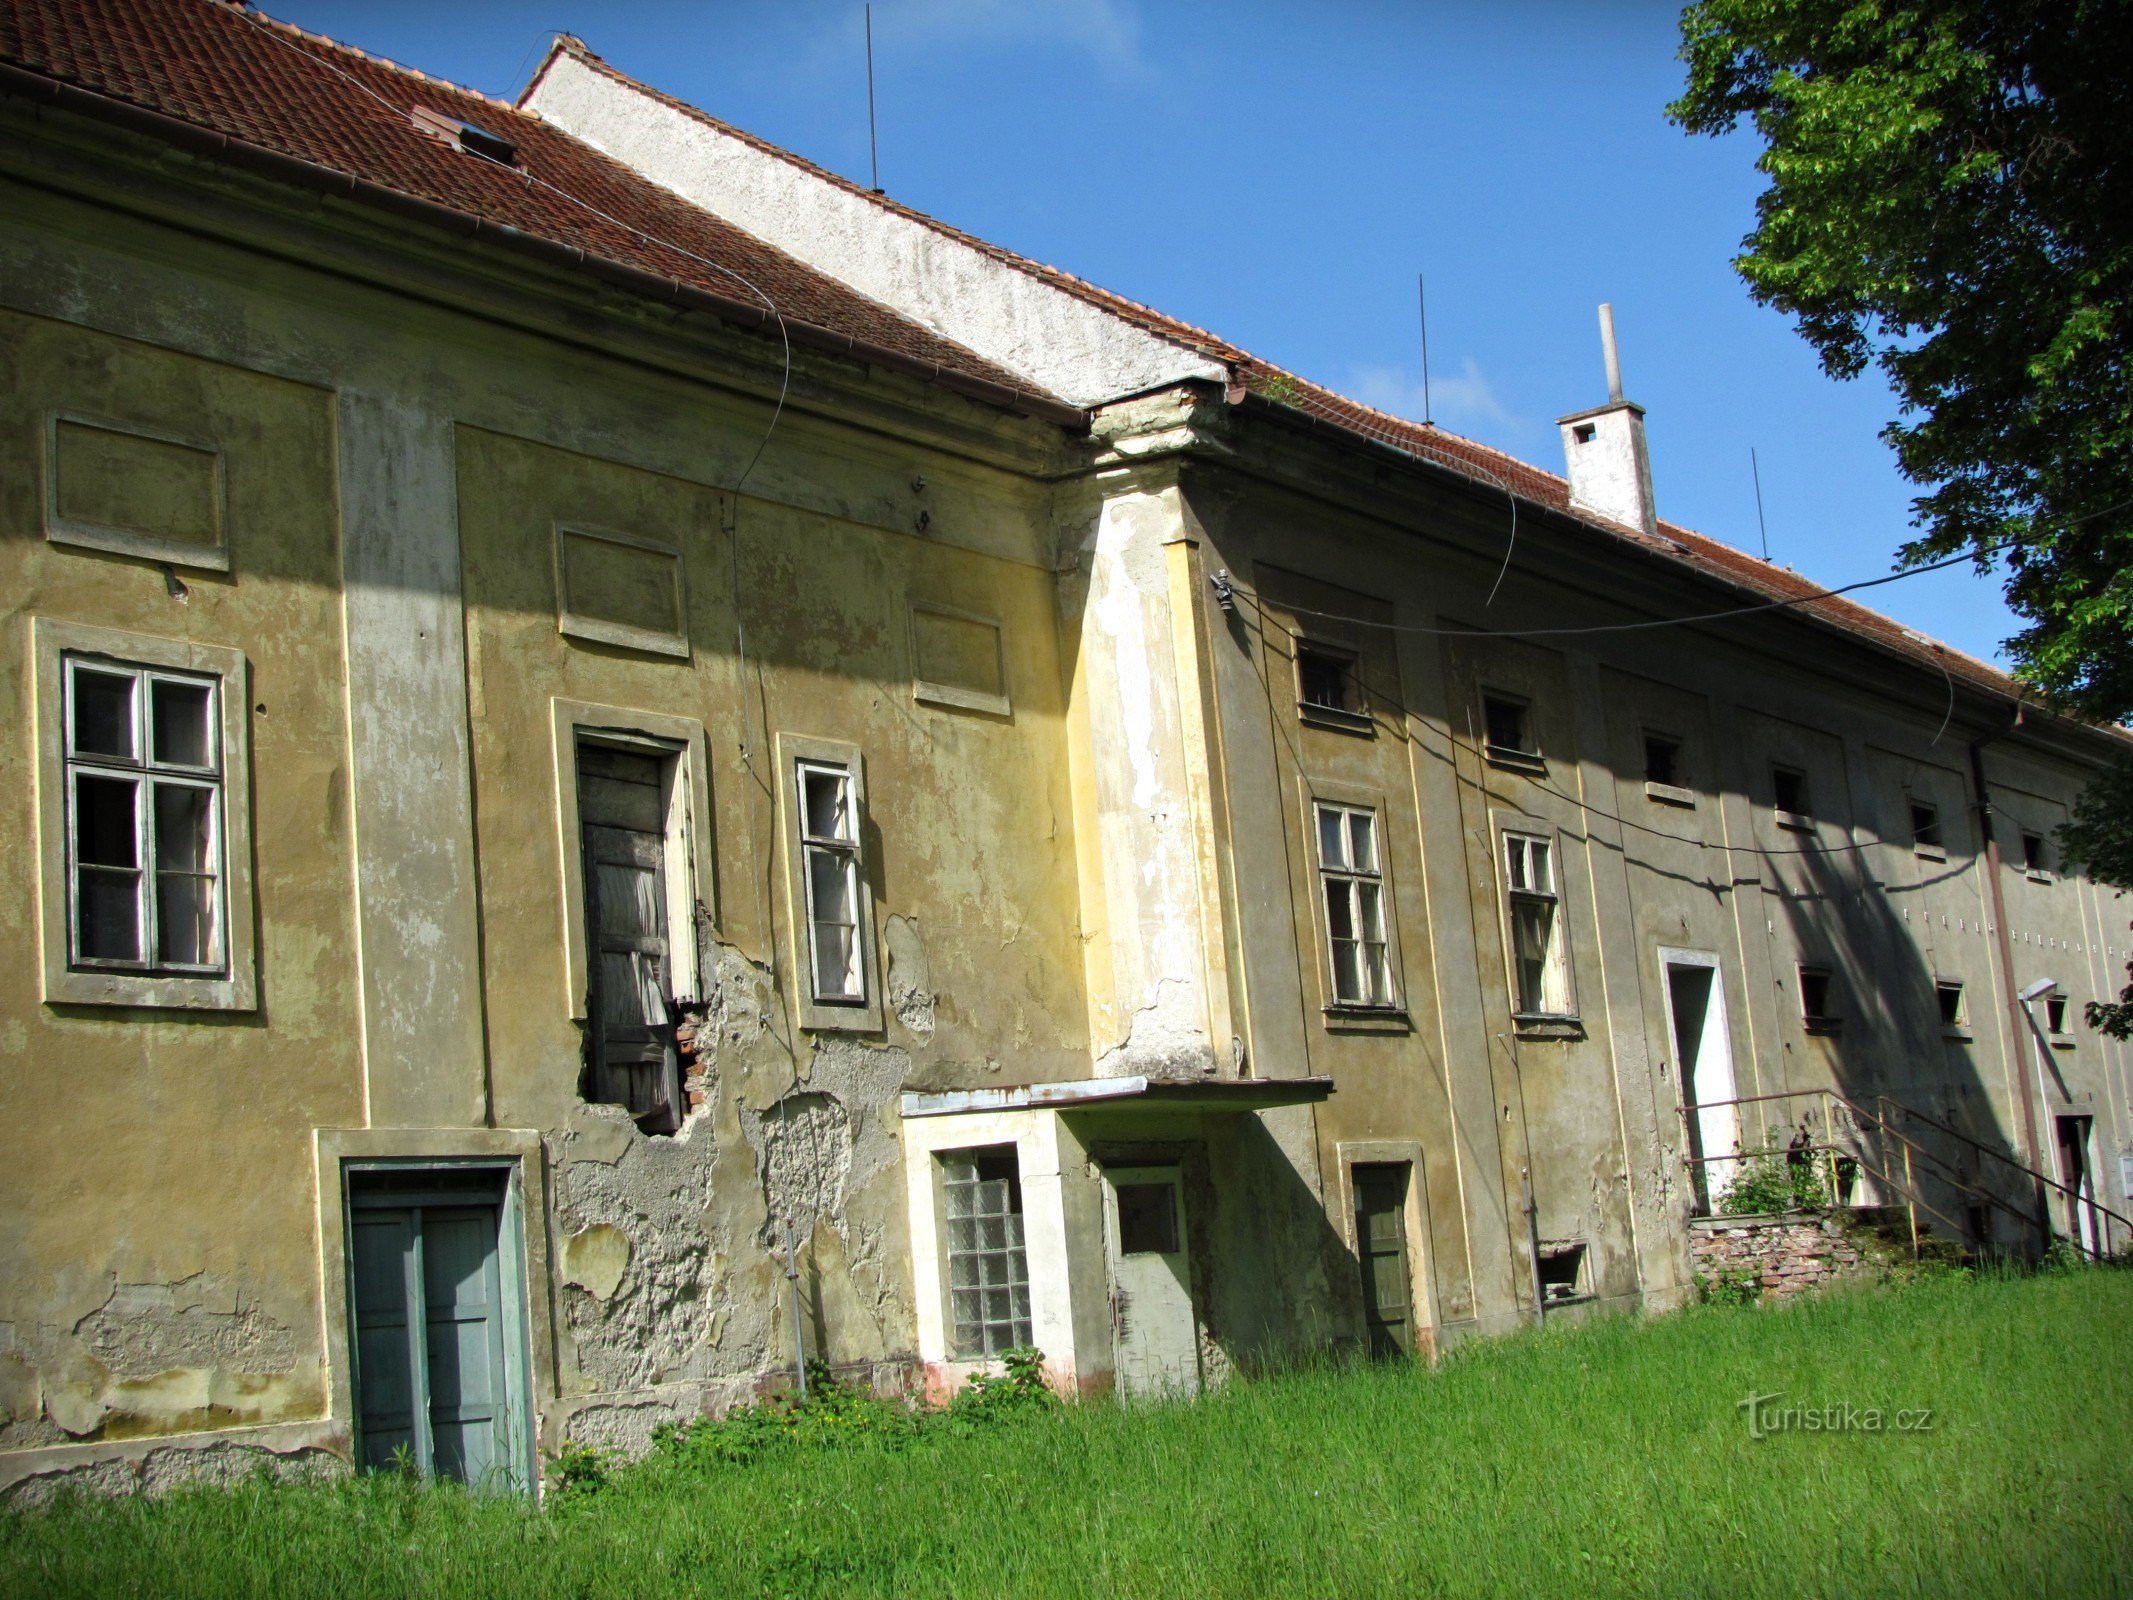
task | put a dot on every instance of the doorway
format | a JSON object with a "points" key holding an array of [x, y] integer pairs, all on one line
{"points": [[1380, 1192], [2076, 1172], [1703, 1050], [438, 1344], [1155, 1331]]}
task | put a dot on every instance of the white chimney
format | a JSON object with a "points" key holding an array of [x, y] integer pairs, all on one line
{"points": [[1610, 469]]}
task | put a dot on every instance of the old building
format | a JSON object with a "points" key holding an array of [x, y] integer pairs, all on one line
{"points": [[628, 759]]}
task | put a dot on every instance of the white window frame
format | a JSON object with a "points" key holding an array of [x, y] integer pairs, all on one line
{"points": [[690, 882], [1381, 987], [231, 982], [820, 1011], [1522, 888]]}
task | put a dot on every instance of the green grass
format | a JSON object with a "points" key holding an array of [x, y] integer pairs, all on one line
{"points": [[1611, 1458]]}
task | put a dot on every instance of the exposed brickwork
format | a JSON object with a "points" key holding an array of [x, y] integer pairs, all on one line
{"points": [[1789, 1254]]}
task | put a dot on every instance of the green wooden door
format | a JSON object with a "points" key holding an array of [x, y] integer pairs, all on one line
{"points": [[433, 1386], [1381, 1248]]}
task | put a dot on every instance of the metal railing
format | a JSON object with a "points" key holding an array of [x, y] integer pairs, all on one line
{"points": [[1870, 1153]]}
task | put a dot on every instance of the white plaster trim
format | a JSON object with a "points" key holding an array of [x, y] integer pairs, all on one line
{"points": [[1056, 340]]}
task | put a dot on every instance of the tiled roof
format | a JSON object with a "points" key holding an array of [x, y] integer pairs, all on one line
{"points": [[236, 73], [1683, 546]]}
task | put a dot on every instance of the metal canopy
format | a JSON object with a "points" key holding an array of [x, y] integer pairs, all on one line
{"points": [[1124, 1094]]}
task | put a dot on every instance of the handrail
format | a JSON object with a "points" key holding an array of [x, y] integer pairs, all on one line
{"points": [[1865, 1120]]}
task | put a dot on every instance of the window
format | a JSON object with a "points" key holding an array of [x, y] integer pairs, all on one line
{"points": [[144, 808], [142, 749], [1925, 830], [1561, 1264], [1147, 1218], [1788, 793], [1352, 878], [825, 799], [1507, 729], [2055, 1013], [624, 802], [1950, 998], [1662, 760], [988, 1270], [1815, 1004], [2034, 860], [1325, 679], [1540, 974]]}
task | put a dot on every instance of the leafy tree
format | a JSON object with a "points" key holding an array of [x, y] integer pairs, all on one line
{"points": [[1951, 200]]}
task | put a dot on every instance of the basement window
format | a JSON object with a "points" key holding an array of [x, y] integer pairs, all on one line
{"points": [[1562, 1271], [1925, 831], [1816, 1006], [1507, 731], [1954, 1016], [988, 1266]]}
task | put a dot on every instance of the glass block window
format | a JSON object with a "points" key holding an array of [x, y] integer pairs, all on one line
{"points": [[988, 1270]]}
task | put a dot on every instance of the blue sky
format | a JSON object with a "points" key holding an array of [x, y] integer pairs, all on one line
{"points": [[1279, 174]]}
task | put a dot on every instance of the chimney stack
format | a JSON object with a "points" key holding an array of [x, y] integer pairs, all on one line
{"points": [[1610, 469]]}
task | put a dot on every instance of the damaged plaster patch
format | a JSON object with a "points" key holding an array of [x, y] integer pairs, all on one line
{"points": [[910, 980], [803, 1146], [1166, 1039], [595, 1259], [146, 1329]]}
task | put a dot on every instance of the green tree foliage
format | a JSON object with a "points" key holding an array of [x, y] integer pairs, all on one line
{"points": [[1951, 199]]}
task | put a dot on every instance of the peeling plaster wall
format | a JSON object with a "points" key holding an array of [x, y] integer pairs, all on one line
{"points": [[1058, 341]]}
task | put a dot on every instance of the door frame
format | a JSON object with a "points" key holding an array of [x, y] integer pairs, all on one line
{"points": [[1149, 1172], [1421, 1285], [522, 1264], [1711, 1174]]}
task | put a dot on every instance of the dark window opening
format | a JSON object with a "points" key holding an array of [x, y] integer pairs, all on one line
{"points": [[1584, 432], [1662, 760], [1506, 726], [1815, 997], [2055, 1013], [1325, 680], [1950, 998], [1925, 826], [2033, 853], [629, 1016], [1147, 1219], [1788, 790], [1562, 1271]]}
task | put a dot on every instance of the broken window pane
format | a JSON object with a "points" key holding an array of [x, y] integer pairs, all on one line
{"points": [[825, 803], [632, 1057]]}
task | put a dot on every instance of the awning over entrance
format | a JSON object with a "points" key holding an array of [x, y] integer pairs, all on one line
{"points": [[1165, 1094]]}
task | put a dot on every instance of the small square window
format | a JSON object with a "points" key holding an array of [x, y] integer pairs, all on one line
{"points": [[2034, 860], [1147, 1219], [1325, 681], [1562, 1271], [1952, 1011], [1662, 760], [1925, 829], [1507, 727], [1816, 1006], [2055, 1013], [1788, 793]]}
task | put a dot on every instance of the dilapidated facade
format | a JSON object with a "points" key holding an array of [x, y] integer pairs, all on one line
{"points": [[628, 760]]}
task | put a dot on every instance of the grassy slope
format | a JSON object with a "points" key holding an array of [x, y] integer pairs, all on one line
{"points": [[1611, 1458]]}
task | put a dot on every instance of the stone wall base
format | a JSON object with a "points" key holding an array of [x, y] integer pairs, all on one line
{"points": [[1786, 1254], [222, 1458]]}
